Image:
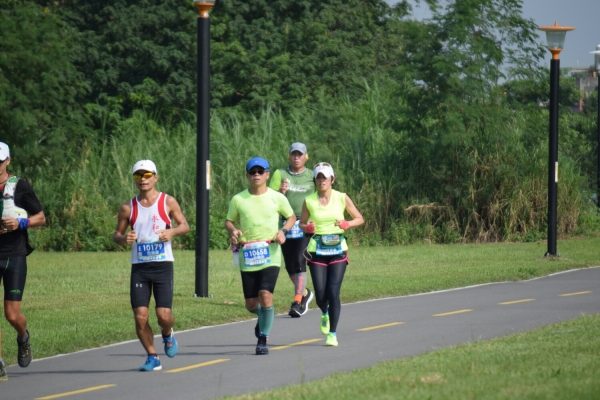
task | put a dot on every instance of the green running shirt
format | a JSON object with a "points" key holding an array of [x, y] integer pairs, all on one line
{"points": [[258, 218], [325, 216], [300, 186]]}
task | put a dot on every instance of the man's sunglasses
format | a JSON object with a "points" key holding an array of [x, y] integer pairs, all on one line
{"points": [[147, 175], [253, 172]]}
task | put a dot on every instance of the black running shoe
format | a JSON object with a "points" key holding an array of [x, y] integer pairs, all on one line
{"points": [[24, 351], [295, 310], [261, 346], [3, 375], [306, 301]]}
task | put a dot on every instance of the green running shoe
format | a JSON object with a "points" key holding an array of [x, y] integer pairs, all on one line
{"points": [[331, 340], [325, 324]]}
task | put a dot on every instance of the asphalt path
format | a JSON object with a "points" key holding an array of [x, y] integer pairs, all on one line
{"points": [[219, 360]]}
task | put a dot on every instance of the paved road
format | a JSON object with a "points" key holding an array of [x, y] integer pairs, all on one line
{"points": [[219, 360]]}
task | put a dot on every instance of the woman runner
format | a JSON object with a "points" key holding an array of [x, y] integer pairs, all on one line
{"points": [[323, 215]]}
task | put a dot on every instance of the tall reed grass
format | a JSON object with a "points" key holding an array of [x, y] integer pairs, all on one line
{"points": [[481, 180]]}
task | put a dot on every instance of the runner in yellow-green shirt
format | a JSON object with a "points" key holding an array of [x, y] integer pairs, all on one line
{"points": [[296, 182], [323, 215], [256, 212]]}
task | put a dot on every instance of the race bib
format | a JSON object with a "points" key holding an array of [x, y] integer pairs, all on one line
{"points": [[256, 253], [323, 250], [295, 232], [150, 251]]}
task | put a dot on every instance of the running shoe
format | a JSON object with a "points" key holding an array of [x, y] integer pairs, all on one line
{"points": [[257, 330], [331, 340], [24, 352], [325, 324], [3, 375], [261, 346], [171, 345], [306, 301], [295, 311], [152, 364]]}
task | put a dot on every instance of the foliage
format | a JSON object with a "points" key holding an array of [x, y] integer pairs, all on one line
{"points": [[40, 117]]}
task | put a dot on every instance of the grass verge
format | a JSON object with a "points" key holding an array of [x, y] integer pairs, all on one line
{"points": [[76, 301]]}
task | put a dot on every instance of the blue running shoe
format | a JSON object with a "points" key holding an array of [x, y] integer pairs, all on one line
{"points": [[152, 364], [171, 345]]}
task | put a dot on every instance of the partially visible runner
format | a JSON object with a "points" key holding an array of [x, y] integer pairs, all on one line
{"points": [[150, 215], [323, 215], [20, 209], [296, 182], [256, 211]]}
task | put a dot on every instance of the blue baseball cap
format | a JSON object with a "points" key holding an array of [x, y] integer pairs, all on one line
{"points": [[257, 162]]}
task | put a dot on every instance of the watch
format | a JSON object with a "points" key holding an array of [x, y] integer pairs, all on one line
{"points": [[285, 231]]}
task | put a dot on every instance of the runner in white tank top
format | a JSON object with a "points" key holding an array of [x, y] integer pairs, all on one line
{"points": [[147, 221], [150, 215]]}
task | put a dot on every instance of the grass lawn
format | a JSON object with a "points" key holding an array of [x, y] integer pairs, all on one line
{"points": [[76, 301]]}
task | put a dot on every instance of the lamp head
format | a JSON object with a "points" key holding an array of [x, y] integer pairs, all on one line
{"points": [[204, 7], [555, 37]]}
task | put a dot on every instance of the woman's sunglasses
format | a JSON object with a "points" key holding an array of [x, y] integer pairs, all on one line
{"points": [[322, 164], [147, 175]]}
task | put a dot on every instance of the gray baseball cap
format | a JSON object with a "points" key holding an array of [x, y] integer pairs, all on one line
{"points": [[301, 147]]}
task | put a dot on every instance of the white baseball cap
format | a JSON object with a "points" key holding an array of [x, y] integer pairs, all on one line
{"points": [[144, 165], [4, 151], [323, 168]]}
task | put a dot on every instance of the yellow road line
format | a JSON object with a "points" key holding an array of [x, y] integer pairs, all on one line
{"points": [[204, 364], [451, 313], [575, 294], [91, 389], [516, 301], [287, 346], [370, 328]]}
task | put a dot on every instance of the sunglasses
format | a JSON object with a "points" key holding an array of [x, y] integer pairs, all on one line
{"points": [[253, 172], [147, 175], [322, 164]]}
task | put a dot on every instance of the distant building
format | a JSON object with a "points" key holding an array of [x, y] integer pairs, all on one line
{"points": [[586, 80]]}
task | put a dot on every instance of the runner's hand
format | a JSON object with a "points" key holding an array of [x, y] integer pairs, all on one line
{"points": [[131, 237], [164, 235], [10, 224], [342, 224], [279, 237], [284, 186], [310, 227], [235, 235]]}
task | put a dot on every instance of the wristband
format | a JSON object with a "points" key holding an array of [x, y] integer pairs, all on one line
{"points": [[344, 225], [23, 223]]}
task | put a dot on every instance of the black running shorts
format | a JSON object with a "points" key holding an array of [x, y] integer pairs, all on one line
{"points": [[293, 254], [255, 281], [148, 278], [13, 272]]}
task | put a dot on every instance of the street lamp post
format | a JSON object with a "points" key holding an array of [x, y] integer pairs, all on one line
{"points": [[202, 145], [555, 37], [597, 65]]}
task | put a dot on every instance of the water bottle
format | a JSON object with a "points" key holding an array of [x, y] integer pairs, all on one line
{"points": [[236, 255]]}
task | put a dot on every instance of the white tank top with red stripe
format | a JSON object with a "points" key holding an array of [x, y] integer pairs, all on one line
{"points": [[147, 221]]}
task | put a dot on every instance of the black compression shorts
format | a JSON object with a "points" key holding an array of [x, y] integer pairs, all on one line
{"points": [[13, 272], [293, 254], [148, 278]]}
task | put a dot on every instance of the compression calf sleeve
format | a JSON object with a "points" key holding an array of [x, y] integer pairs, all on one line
{"points": [[265, 319]]}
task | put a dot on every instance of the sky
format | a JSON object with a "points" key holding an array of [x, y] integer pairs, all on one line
{"points": [[583, 15]]}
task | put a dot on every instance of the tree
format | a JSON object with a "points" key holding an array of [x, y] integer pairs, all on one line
{"points": [[39, 85]]}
